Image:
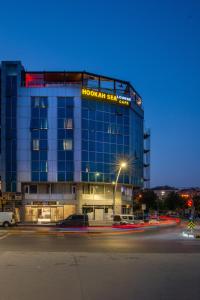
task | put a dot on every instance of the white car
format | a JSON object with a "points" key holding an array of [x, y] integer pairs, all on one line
{"points": [[126, 219], [7, 219]]}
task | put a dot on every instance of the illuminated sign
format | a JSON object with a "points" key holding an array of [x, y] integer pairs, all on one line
{"points": [[106, 97]]}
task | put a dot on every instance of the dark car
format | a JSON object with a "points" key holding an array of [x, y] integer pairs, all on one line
{"points": [[74, 221]]}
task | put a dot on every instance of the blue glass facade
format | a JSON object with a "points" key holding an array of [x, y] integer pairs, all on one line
{"points": [[105, 141], [65, 138], [39, 138], [136, 147], [11, 133], [0, 111]]}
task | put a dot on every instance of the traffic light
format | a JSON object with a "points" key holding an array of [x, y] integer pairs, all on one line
{"points": [[189, 203]]}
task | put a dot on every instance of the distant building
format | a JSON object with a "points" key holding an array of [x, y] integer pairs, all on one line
{"points": [[189, 192], [163, 191], [63, 136]]}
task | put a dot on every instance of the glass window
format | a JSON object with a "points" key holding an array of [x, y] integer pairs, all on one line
{"points": [[126, 140], [60, 123], [69, 101], [85, 124], [35, 134], [35, 155], [61, 166], [43, 113], [99, 157], [69, 176], [36, 145], [43, 144], [43, 176], [99, 167], [69, 155], [43, 134], [68, 124], [99, 189], [67, 144], [61, 176], [91, 134], [35, 176], [43, 166], [99, 147], [35, 166], [61, 155], [85, 134], [69, 166], [92, 114], [61, 112], [35, 123], [91, 146], [36, 101], [84, 155], [43, 155], [43, 124], [92, 156], [43, 102], [85, 145], [85, 113], [84, 176], [61, 134]]}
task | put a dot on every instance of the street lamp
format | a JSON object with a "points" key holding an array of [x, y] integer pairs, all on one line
{"points": [[122, 165]]}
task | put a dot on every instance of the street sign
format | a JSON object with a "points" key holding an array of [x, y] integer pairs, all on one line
{"points": [[191, 225]]}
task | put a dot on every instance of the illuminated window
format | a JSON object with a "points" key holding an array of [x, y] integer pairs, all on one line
{"points": [[43, 124], [36, 101], [36, 145], [43, 102], [67, 144], [68, 124]]}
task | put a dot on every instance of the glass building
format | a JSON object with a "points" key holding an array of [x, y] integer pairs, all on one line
{"points": [[63, 137]]}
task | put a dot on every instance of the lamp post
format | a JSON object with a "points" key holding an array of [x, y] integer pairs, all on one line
{"points": [[122, 165]]}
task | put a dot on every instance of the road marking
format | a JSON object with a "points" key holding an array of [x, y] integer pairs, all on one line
{"points": [[4, 236]]}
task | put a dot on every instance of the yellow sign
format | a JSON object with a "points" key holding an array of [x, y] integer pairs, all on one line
{"points": [[106, 97]]}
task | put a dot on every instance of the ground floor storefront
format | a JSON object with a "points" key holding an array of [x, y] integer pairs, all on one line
{"points": [[42, 213]]}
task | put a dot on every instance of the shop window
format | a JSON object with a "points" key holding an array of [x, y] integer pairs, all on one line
{"points": [[86, 189], [98, 189]]}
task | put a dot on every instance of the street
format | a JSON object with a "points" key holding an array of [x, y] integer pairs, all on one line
{"points": [[157, 264]]}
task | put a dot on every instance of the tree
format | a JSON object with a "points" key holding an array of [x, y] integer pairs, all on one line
{"points": [[173, 201], [196, 202], [149, 198]]}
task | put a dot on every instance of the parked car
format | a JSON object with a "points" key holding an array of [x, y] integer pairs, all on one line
{"points": [[74, 221], [7, 219], [123, 219]]}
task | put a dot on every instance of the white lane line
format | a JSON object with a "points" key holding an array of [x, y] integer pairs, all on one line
{"points": [[4, 236]]}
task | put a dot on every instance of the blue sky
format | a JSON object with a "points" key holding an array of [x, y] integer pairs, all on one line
{"points": [[154, 44]]}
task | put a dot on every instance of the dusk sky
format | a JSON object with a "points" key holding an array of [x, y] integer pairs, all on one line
{"points": [[153, 44]]}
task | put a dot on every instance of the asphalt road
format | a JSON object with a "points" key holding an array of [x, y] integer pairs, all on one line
{"points": [[156, 264]]}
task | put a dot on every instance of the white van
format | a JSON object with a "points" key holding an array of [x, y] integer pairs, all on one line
{"points": [[126, 219], [7, 218]]}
